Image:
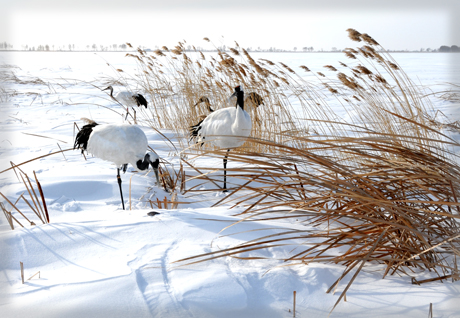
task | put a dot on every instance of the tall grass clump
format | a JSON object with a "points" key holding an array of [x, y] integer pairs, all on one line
{"points": [[399, 209], [379, 188], [382, 205]]}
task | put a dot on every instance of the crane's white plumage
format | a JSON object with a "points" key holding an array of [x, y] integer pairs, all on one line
{"points": [[120, 144], [253, 99], [128, 98], [226, 127]]}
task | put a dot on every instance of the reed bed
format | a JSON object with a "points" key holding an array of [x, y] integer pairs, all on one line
{"points": [[371, 87], [6, 76], [397, 209]]}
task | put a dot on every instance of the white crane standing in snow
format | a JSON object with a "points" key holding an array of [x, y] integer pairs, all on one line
{"points": [[120, 144], [128, 99], [225, 128]]}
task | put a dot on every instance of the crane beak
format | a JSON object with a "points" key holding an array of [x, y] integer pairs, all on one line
{"points": [[234, 95], [156, 175], [155, 165]]}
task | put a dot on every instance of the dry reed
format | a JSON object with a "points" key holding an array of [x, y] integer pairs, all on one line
{"points": [[376, 94], [22, 271], [39, 207], [380, 188], [380, 203]]}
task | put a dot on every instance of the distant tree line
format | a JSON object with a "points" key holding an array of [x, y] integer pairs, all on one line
{"points": [[124, 47], [71, 47], [453, 48], [5, 46]]}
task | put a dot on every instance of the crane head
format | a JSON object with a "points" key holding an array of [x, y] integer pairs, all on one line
{"points": [[109, 88], [204, 99], [239, 94]]}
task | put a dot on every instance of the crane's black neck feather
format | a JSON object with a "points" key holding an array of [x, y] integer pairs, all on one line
{"points": [[81, 140], [239, 97], [111, 91], [140, 100]]}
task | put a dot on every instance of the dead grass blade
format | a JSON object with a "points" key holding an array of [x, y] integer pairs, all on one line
{"points": [[34, 198], [44, 137], [43, 199], [364, 260], [8, 215]]}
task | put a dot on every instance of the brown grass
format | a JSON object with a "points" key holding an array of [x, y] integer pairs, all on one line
{"points": [[373, 90], [380, 188], [38, 206], [175, 83], [381, 203]]}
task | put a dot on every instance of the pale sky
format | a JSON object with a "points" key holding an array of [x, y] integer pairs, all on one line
{"points": [[284, 24]]}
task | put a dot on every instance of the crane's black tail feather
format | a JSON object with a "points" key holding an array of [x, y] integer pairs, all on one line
{"points": [[140, 100], [194, 132], [81, 140]]}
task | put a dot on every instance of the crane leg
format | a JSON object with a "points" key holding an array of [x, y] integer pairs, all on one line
{"points": [[225, 171], [119, 185]]}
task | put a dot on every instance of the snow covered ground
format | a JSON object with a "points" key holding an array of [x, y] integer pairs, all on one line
{"points": [[96, 260]]}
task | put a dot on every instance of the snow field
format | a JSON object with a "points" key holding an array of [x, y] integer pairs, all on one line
{"points": [[96, 260]]}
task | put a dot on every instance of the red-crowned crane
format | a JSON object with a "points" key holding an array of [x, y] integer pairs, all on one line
{"points": [[226, 127], [120, 144], [128, 99]]}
